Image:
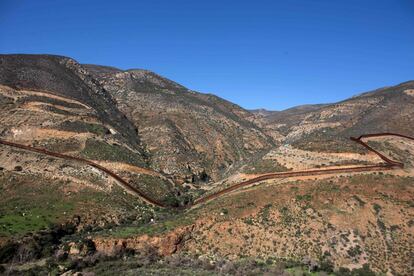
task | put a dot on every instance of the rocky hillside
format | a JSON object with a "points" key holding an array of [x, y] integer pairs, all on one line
{"points": [[328, 127], [64, 77], [62, 215], [52, 102], [150, 131], [286, 119], [194, 136]]}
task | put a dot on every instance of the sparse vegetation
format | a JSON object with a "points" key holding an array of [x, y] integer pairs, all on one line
{"points": [[79, 126], [265, 166], [98, 150], [55, 212]]}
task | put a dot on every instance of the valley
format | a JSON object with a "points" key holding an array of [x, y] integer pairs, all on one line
{"points": [[102, 167]]}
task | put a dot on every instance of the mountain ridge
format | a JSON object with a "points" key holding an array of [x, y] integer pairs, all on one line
{"points": [[178, 147]]}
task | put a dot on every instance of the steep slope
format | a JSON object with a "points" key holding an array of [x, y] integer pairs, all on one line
{"points": [[191, 135], [327, 127], [51, 102], [337, 223], [64, 77], [143, 127]]}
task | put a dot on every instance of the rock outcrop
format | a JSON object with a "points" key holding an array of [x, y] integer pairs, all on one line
{"points": [[165, 245]]}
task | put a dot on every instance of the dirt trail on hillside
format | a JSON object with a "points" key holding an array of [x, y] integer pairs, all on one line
{"points": [[16, 93]]}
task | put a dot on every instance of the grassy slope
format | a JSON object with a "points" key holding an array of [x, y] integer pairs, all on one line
{"points": [[30, 203]]}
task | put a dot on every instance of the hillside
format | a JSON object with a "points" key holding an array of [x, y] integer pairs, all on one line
{"points": [[64, 77], [148, 130], [287, 118], [52, 103], [328, 127], [233, 192], [193, 136]]}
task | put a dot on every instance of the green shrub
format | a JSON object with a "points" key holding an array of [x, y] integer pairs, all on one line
{"points": [[377, 208], [79, 126], [98, 150]]}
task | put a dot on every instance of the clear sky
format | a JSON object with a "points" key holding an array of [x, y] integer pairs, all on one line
{"points": [[271, 54]]}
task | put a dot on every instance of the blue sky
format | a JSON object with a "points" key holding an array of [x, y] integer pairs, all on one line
{"points": [[270, 54]]}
